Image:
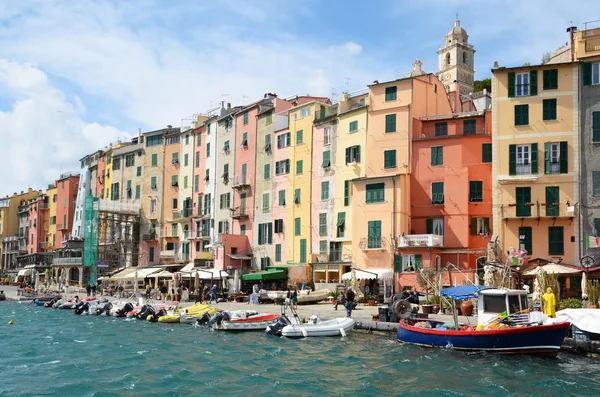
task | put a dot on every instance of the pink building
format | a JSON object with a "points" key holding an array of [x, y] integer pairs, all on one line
{"points": [[66, 193], [199, 173]]}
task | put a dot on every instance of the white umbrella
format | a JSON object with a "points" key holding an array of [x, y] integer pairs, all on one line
{"points": [[584, 294], [197, 283], [135, 283], [236, 280]]}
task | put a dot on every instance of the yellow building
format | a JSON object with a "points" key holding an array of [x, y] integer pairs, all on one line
{"points": [[51, 193], [535, 160]]}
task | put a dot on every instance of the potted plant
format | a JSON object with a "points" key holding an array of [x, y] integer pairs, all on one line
{"points": [[334, 297], [427, 306], [370, 300]]}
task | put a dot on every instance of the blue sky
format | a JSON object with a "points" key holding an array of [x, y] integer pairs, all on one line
{"points": [[76, 75]]}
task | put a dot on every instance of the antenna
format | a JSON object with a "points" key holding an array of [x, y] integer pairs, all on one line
{"points": [[244, 97], [348, 84], [333, 93]]}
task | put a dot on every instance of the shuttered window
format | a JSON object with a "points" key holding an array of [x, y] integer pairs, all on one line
{"points": [[523, 197], [297, 226], [322, 224], [327, 159], [525, 239], [353, 126], [596, 127], [476, 191], [346, 193], [391, 93], [375, 193], [277, 252], [282, 197], [486, 152], [556, 240], [267, 171], [437, 193], [303, 251], [389, 159], [437, 155], [521, 115], [552, 201], [549, 109], [299, 167], [596, 183], [390, 123], [325, 190], [469, 127], [550, 79], [441, 129], [374, 234]]}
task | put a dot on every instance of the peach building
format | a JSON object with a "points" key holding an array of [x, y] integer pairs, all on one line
{"points": [[66, 195]]}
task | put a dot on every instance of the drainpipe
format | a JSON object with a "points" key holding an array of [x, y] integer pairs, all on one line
{"points": [[394, 214], [579, 136]]}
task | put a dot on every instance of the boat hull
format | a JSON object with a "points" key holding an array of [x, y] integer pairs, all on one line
{"points": [[542, 340], [336, 327], [252, 323]]}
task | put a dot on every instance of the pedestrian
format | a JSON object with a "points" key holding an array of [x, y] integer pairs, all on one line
{"points": [[172, 293], [178, 294], [213, 294], [204, 293], [341, 300], [88, 289], [288, 297], [94, 290], [163, 292], [349, 302], [148, 291], [295, 298], [549, 302]]}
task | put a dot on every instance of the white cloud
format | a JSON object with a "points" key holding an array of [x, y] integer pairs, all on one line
{"points": [[42, 135]]}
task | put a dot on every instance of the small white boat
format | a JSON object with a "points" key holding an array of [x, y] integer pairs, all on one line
{"points": [[316, 327], [305, 297], [244, 320]]}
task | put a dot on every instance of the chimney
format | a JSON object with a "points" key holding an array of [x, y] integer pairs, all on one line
{"points": [[375, 81], [139, 135], [496, 66], [228, 105], [572, 30], [169, 126]]}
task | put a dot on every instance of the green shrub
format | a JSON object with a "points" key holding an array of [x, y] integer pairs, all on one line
{"points": [[570, 303]]}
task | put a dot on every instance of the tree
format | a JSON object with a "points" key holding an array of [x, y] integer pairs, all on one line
{"points": [[527, 64], [481, 84], [547, 57]]}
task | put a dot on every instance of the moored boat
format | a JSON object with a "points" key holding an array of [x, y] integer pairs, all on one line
{"points": [[314, 328], [244, 321]]}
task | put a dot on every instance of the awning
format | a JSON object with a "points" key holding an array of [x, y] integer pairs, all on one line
{"points": [[207, 274], [553, 268], [23, 272], [188, 268], [370, 274], [341, 218], [127, 274], [272, 275], [462, 291], [147, 272], [163, 274], [240, 257]]}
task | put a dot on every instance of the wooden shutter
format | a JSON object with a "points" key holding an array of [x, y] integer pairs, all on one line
{"points": [[267, 171], [269, 233], [564, 157], [397, 263], [534, 158], [303, 251], [511, 84], [546, 157], [429, 223], [587, 73], [346, 193], [595, 126], [260, 234], [533, 86], [358, 154], [552, 197], [512, 160], [418, 262], [474, 230], [348, 160]]}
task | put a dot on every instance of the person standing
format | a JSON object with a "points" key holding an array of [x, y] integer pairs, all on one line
{"points": [[88, 289], [93, 289], [549, 302], [295, 298], [213, 294], [349, 302], [341, 300], [204, 293]]}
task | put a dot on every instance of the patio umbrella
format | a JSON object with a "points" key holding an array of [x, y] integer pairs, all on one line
{"points": [[584, 294], [135, 283], [236, 280], [354, 283], [197, 283]]}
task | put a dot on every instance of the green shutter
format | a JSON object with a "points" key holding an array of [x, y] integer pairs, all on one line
{"points": [[429, 226], [389, 159], [299, 167], [512, 160], [587, 73], [486, 153], [511, 84], [154, 160], [556, 241], [549, 109], [597, 227], [550, 79], [596, 183], [390, 123], [282, 197], [564, 157], [199, 204], [325, 190], [297, 226], [533, 86], [534, 158], [327, 159], [595, 126], [299, 137], [267, 171], [397, 263], [358, 154], [348, 155], [552, 196], [303, 251], [474, 227], [546, 157], [138, 190], [346, 193], [527, 240], [418, 262], [523, 196], [437, 155], [277, 252]]}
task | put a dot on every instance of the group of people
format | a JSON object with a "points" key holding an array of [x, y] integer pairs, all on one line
{"points": [[90, 290]]}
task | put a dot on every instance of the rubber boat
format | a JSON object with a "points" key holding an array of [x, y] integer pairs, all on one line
{"points": [[315, 327], [305, 297], [242, 320], [192, 318], [121, 310], [89, 306], [505, 325]]}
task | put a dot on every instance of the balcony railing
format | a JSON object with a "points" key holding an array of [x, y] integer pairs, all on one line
{"points": [[167, 254], [45, 244], [67, 261], [149, 236], [240, 182], [240, 213], [43, 206], [61, 226], [373, 243], [537, 210], [421, 240], [335, 255]]}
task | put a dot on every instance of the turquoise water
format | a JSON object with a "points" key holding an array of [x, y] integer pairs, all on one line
{"points": [[51, 352]]}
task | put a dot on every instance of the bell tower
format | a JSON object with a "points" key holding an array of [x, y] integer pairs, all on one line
{"points": [[456, 60]]}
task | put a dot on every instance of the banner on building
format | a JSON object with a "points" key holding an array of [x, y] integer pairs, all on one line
{"points": [[593, 242]]}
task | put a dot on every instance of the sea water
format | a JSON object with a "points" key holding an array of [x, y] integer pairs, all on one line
{"points": [[49, 352]]}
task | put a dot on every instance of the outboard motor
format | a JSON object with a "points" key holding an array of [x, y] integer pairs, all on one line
{"points": [[105, 309], [144, 315], [81, 307], [216, 318], [57, 304], [51, 302], [153, 318], [122, 312], [204, 320], [275, 329]]}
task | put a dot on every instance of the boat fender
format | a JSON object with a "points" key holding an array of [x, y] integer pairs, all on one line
{"points": [[11, 322], [342, 332], [149, 318], [304, 332], [479, 327]]}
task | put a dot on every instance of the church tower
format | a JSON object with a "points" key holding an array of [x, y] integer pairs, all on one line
{"points": [[456, 60]]}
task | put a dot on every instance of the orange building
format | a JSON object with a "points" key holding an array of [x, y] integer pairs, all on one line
{"points": [[66, 193]]}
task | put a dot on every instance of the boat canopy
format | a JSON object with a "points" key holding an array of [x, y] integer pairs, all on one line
{"points": [[206, 274], [268, 275], [462, 291]]}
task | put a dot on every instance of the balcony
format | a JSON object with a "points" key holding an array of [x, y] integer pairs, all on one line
{"points": [[149, 236], [524, 169], [554, 168], [61, 226], [43, 206], [373, 244], [240, 182], [45, 244], [421, 240], [326, 112], [537, 210], [240, 213], [167, 254], [77, 261], [183, 215]]}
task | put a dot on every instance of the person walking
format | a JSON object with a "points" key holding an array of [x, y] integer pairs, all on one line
{"points": [[295, 299], [93, 289], [148, 291], [349, 302], [288, 297], [163, 292], [340, 300], [88, 289], [213, 294], [204, 293]]}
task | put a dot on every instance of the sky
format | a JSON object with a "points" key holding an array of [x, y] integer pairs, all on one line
{"points": [[78, 75]]}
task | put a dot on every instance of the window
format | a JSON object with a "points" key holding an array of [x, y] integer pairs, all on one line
{"points": [[153, 184], [522, 159], [327, 137], [115, 193], [278, 225], [277, 252], [389, 159], [174, 204], [175, 158], [411, 263], [153, 206], [325, 190], [154, 159], [151, 254], [353, 126], [390, 123], [207, 149], [266, 202], [174, 180], [596, 183], [596, 227], [242, 230], [326, 159], [441, 129], [375, 193], [322, 224], [299, 167], [283, 140], [138, 171], [391, 93], [269, 118], [196, 183], [476, 191], [207, 204], [486, 152], [550, 79], [244, 143], [437, 193], [469, 127], [198, 140], [525, 239], [549, 109], [303, 251], [521, 115], [596, 127], [523, 198], [305, 112], [437, 155], [228, 124], [341, 224], [173, 231], [116, 163], [155, 140], [128, 190], [297, 226], [226, 147], [282, 197], [267, 143], [245, 117], [552, 201], [138, 192], [480, 226], [494, 303], [374, 234], [129, 160], [556, 240], [265, 233], [297, 196], [353, 155], [267, 171], [282, 167], [173, 140], [299, 137], [185, 160], [556, 158], [522, 84], [323, 247], [346, 193]]}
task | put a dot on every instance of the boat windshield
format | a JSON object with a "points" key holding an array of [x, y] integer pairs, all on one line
{"points": [[513, 304], [524, 303], [494, 303]]}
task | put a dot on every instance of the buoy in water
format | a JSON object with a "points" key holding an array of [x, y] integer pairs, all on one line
{"points": [[11, 322]]}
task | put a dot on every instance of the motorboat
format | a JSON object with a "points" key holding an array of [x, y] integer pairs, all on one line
{"points": [[192, 318], [102, 309], [305, 297], [121, 310], [89, 306], [315, 327], [505, 325], [242, 320], [2, 296]]}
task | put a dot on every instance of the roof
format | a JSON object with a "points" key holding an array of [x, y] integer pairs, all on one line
{"points": [[549, 65], [367, 178], [370, 274], [457, 115], [462, 291], [400, 79], [553, 268]]}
